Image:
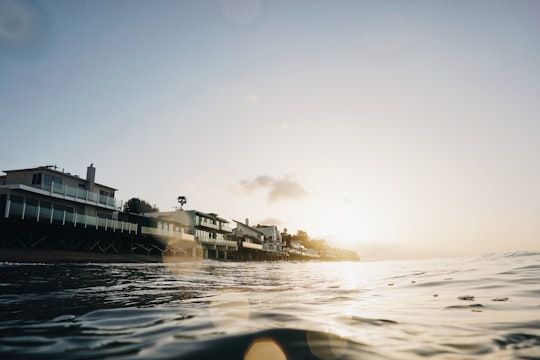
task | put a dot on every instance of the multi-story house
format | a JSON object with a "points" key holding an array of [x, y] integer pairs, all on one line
{"points": [[261, 242], [44, 209], [211, 231], [248, 237], [45, 191], [273, 241]]}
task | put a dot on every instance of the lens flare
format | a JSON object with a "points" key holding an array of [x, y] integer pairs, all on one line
{"points": [[264, 349], [326, 346], [181, 256]]}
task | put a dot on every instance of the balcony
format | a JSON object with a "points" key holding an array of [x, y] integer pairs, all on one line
{"points": [[207, 240], [248, 245], [75, 193], [51, 215], [205, 223], [176, 235], [225, 227], [221, 226], [71, 193]]}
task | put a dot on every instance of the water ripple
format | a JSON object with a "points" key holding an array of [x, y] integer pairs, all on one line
{"points": [[456, 308]]}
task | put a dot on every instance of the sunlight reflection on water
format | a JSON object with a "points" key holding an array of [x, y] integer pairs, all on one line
{"points": [[199, 310]]}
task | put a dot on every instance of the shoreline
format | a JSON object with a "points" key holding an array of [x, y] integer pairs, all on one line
{"points": [[36, 256], [63, 256]]}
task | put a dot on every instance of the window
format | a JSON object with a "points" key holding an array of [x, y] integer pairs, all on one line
{"points": [[45, 204], [36, 179], [50, 178], [58, 207], [16, 199], [104, 216], [104, 193], [31, 202]]}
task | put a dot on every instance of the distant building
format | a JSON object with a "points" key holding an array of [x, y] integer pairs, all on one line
{"points": [[261, 242], [273, 241], [209, 230], [248, 237]]}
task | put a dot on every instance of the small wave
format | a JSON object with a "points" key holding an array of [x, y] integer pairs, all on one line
{"points": [[465, 306], [230, 310], [516, 254], [534, 267], [518, 341], [357, 320]]}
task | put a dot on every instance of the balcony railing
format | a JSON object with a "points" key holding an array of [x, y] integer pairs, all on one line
{"points": [[179, 235], [209, 224], [248, 245], [206, 223], [76, 193], [207, 240], [43, 214]]}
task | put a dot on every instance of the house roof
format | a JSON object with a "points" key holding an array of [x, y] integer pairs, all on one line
{"points": [[208, 215], [52, 170], [249, 227]]}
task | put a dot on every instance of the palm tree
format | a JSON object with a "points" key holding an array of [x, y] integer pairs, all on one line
{"points": [[182, 200]]}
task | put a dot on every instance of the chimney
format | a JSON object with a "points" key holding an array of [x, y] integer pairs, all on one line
{"points": [[247, 221], [91, 176]]}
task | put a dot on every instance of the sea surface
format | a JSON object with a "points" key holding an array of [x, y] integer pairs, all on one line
{"points": [[453, 308]]}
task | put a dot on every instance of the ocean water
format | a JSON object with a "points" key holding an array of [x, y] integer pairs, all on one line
{"points": [[454, 308]]}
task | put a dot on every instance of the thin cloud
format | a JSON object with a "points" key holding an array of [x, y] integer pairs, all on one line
{"points": [[282, 188], [252, 98]]}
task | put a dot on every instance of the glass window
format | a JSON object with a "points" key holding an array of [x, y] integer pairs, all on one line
{"points": [[104, 216], [36, 179], [50, 178], [16, 199], [31, 202], [45, 204]]}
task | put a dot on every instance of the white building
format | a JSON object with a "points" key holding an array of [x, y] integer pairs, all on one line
{"points": [[209, 230], [272, 238], [45, 191], [248, 237]]}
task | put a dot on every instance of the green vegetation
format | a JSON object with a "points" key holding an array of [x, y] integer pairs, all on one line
{"points": [[138, 206]]}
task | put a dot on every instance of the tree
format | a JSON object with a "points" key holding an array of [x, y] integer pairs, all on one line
{"points": [[303, 237], [182, 200], [138, 206]]}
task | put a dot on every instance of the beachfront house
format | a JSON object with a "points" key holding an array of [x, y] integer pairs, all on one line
{"points": [[273, 241], [209, 230], [47, 193], [248, 237]]}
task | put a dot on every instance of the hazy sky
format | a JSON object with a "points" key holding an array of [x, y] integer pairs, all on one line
{"points": [[395, 128]]}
